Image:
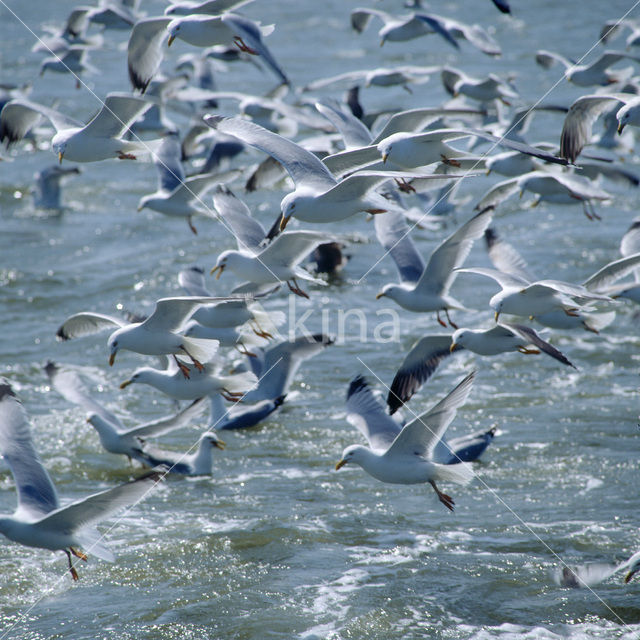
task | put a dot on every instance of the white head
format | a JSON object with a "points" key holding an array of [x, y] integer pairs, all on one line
{"points": [[355, 454], [144, 375], [211, 438], [174, 30], [114, 344], [223, 261], [388, 291], [628, 115], [59, 142]]}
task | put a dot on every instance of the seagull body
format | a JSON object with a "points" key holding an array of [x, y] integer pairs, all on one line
{"points": [[492, 87], [404, 455], [39, 520], [427, 288]]}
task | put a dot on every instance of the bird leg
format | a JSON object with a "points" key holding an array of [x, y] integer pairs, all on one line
{"points": [[243, 350], [74, 573], [572, 311], [78, 554], [231, 396], [296, 289], [440, 320], [451, 322], [183, 367], [198, 365], [125, 156], [527, 351], [240, 43], [404, 186], [190, 223], [446, 500], [258, 330], [373, 212], [450, 161]]}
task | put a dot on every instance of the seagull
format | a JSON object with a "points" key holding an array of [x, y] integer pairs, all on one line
{"points": [[318, 196], [73, 61], [46, 191], [487, 89], [589, 575], [277, 262], [177, 195], [428, 352], [100, 139], [414, 25], [201, 382], [588, 75], [157, 335], [197, 463], [114, 436], [39, 520], [404, 455], [148, 36], [426, 288], [576, 131], [466, 448]]}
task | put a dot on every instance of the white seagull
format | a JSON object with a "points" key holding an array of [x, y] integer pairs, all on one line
{"points": [[39, 520], [404, 455]]}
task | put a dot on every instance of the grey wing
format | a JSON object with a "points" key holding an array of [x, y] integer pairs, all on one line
{"points": [[534, 338], [171, 313], [345, 162], [192, 281], [547, 59], [289, 249], [99, 506], [367, 415], [250, 33], [505, 258], [565, 288], [440, 271], [282, 361], [304, 168], [498, 193], [612, 272], [118, 112], [609, 58], [392, 232], [36, 493], [576, 131], [168, 163], [70, 386], [480, 39], [361, 16], [354, 133], [86, 323], [630, 242], [169, 423], [19, 116], [439, 26], [248, 231], [505, 280], [422, 434], [418, 366], [144, 51]]}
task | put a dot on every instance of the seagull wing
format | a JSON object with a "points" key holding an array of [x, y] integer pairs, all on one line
{"points": [[19, 116], [345, 162], [99, 506], [144, 51], [169, 423], [70, 386], [534, 338], [418, 366], [248, 231], [118, 112], [288, 249], [354, 133], [305, 169], [440, 271], [576, 131], [392, 232], [87, 323], [368, 416], [505, 280], [630, 242], [505, 258], [36, 493], [612, 272], [420, 436], [498, 193], [171, 313]]}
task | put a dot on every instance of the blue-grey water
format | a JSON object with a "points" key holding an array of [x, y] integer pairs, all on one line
{"points": [[276, 544]]}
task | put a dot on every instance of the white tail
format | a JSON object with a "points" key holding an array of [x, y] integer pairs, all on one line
{"points": [[461, 473], [201, 349], [239, 382]]}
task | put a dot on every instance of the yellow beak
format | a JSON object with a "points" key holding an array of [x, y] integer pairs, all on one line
{"points": [[379, 295], [125, 384], [496, 315], [170, 40], [60, 155], [284, 222], [384, 157], [112, 359], [629, 575], [453, 347], [219, 268], [341, 464], [220, 444], [620, 128]]}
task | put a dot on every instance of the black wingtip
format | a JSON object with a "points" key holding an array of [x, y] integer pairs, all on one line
{"points": [[490, 237], [61, 335], [359, 383], [322, 339], [51, 368], [280, 400], [6, 389]]}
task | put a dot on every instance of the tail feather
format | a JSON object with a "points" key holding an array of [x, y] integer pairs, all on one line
{"points": [[239, 382], [201, 349], [461, 473], [92, 542]]}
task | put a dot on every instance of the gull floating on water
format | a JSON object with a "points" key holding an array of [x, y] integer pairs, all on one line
{"points": [[39, 520], [404, 455]]}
